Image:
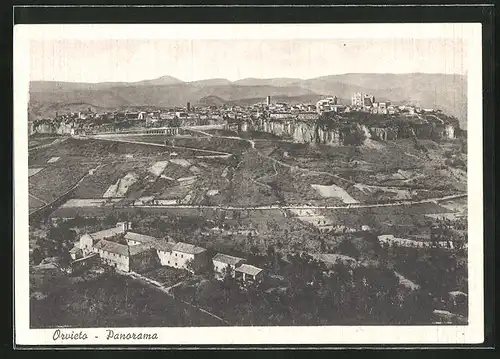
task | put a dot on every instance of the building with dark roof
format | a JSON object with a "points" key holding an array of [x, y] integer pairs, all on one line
{"points": [[124, 257], [223, 263], [130, 251], [138, 252], [189, 257]]}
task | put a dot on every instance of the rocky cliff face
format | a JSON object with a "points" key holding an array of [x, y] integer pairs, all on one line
{"points": [[298, 131], [381, 133], [334, 134]]}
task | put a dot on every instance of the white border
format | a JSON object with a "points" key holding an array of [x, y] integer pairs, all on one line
{"points": [[471, 334]]}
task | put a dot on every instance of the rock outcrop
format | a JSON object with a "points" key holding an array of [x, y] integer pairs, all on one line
{"points": [[335, 133]]}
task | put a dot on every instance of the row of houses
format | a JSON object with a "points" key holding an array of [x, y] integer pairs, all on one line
{"points": [[128, 251]]}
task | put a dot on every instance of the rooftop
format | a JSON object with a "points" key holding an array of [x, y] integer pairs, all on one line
{"points": [[142, 238], [112, 247], [107, 233], [248, 269], [224, 258], [162, 245], [75, 249], [187, 248], [133, 250]]}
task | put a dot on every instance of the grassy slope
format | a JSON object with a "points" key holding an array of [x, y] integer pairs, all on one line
{"points": [[109, 301]]}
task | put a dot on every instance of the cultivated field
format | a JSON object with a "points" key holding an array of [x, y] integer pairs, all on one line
{"points": [[34, 203], [56, 179]]}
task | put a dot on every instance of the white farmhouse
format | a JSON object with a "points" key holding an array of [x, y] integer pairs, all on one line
{"points": [[223, 261]]}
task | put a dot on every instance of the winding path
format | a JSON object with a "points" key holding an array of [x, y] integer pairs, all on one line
{"points": [[167, 290], [349, 206]]}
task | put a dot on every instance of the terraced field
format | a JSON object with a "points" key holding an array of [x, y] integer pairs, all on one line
{"points": [[55, 180]]}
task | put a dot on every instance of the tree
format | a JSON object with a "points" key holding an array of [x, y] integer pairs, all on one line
{"points": [[270, 252], [347, 248], [190, 266], [227, 273], [250, 240], [254, 250], [354, 137], [322, 244], [62, 239], [210, 270], [37, 256]]}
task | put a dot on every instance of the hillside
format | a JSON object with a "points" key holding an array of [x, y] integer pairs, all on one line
{"points": [[211, 101], [211, 82], [312, 98], [57, 86], [269, 82], [445, 92]]}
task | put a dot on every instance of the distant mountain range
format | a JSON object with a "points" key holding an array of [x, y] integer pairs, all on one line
{"points": [[441, 91]]}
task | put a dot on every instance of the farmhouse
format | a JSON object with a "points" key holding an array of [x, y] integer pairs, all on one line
{"points": [[135, 251], [87, 241], [247, 273], [137, 254], [164, 252], [124, 257], [223, 261], [189, 257]]}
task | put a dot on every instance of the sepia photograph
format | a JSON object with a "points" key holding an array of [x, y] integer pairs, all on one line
{"points": [[248, 183]]}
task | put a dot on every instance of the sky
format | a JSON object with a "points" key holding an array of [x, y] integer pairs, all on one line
{"points": [[90, 60]]}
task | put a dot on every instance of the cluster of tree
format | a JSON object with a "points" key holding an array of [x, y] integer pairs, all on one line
{"points": [[435, 270], [112, 300], [355, 136], [350, 133], [57, 243], [445, 230], [158, 226], [457, 163], [310, 293], [86, 223]]}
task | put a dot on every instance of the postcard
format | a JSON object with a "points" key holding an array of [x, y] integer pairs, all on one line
{"points": [[248, 184]]}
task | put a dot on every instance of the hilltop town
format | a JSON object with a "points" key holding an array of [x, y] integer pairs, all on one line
{"points": [[381, 118], [271, 213]]}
